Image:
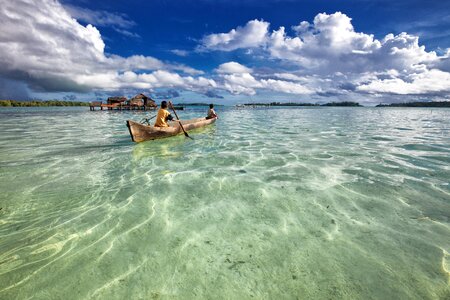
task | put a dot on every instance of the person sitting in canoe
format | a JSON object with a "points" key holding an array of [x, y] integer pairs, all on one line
{"points": [[163, 116], [211, 112]]}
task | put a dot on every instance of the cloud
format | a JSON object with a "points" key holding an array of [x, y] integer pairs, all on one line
{"points": [[242, 82], [169, 94], [13, 90], [43, 46], [347, 86], [127, 33], [253, 34], [135, 62], [331, 45], [99, 96], [70, 97], [100, 18], [184, 69], [423, 83], [290, 77], [232, 67], [121, 23], [156, 79], [180, 52], [285, 87], [443, 63], [45, 49], [329, 54], [213, 94]]}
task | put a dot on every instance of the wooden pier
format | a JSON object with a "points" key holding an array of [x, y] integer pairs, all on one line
{"points": [[94, 105]]}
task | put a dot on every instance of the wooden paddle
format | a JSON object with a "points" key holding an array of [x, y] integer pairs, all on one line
{"points": [[146, 120], [181, 125]]}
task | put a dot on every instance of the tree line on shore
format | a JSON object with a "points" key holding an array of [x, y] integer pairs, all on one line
{"points": [[195, 104], [15, 103], [418, 104], [344, 103], [350, 103]]}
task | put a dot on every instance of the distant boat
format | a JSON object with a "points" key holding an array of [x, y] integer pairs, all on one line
{"points": [[140, 132]]}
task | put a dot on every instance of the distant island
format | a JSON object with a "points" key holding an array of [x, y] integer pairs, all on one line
{"points": [[418, 104], [14, 103], [196, 104], [344, 103], [47, 103], [279, 104]]}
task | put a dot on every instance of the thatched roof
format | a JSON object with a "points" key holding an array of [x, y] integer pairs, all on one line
{"points": [[147, 100], [117, 99], [141, 96]]}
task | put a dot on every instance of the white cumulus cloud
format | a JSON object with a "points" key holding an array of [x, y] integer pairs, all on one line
{"points": [[99, 18], [253, 34], [232, 67], [285, 87], [180, 52], [44, 45], [421, 83], [237, 79], [331, 52]]}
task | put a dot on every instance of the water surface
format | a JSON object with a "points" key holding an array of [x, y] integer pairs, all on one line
{"points": [[324, 203]]}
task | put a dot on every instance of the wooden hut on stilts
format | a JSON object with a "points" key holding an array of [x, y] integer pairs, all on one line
{"points": [[141, 101], [138, 102]]}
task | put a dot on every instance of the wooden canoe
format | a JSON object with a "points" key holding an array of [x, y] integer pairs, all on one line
{"points": [[140, 132]]}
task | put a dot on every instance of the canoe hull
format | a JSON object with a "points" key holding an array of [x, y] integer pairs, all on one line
{"points": [[140, 132]]}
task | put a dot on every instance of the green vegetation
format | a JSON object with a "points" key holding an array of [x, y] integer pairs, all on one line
{"points": [[418, 104], [292, 104], [195, 104], [345, 103], [280, 104], [15, 103]]}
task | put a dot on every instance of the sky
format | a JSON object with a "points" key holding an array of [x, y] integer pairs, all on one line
{"points": [[226, 51]]}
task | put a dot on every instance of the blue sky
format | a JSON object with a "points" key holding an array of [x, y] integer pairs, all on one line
{"points": [[226, 51]]}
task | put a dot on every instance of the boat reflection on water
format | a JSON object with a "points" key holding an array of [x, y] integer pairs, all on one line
{"points": [[162, 148], [175, 146]]}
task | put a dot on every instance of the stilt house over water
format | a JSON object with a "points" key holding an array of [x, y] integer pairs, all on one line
{"points": [[116, 101], [138, 102], [142, 100]]}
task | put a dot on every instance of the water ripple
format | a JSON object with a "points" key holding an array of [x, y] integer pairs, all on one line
{"points": [[335, 203]]}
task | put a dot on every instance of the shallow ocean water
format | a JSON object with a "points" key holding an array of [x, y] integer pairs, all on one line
{"points": [[307, 203]]}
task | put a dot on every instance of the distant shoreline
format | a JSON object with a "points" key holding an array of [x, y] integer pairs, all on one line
{"points": [[34, 103], [195, 104], [51, 103], [417, 104], [55, 103], [344, 103]]}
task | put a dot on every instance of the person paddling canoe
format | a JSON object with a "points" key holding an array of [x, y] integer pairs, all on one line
{"points": [[163, 116], [211, 112]]}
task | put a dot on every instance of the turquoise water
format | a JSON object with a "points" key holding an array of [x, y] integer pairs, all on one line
{"points": [[309, 203]]}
